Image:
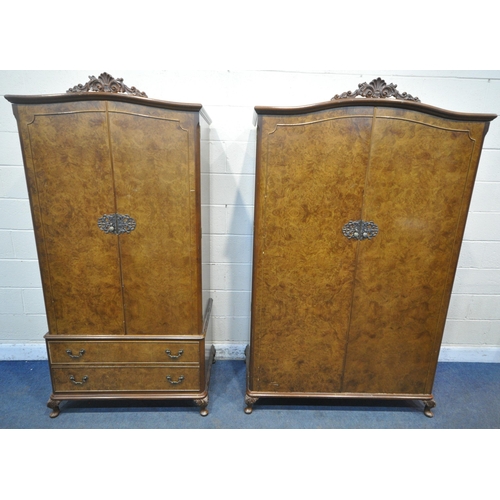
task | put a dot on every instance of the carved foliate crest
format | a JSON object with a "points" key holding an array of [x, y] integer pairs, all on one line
{"points": [[377, 89], [106, 83]]}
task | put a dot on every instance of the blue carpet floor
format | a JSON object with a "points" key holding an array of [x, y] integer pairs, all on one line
{"points": [[467, 397]]}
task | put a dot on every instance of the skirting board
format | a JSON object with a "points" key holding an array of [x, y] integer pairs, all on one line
{"points": [[459, 354]]}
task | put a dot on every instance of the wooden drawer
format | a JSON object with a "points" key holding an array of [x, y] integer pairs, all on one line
{"points": [[123, 351], [125, 378]]}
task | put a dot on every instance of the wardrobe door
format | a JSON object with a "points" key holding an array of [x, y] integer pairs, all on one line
{"points": [[157, 180], [310, 177], [70, 182], [419, 181]]}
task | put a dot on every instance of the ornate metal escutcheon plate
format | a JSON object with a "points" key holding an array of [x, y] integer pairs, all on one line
{"points": [[116, 223], [360, 230]]}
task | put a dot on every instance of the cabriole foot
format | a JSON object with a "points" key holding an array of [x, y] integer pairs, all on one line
{"points": [[249, 402], [202, 403], [428, 407], [53, 404]]}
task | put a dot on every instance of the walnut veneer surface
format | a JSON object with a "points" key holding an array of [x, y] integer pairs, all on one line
{"points": [[125, 311], [339, 317]]}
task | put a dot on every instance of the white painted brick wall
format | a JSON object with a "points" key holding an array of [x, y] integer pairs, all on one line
{"points": [[6, 245], [229, 98], [15, 214], [16, 273]]}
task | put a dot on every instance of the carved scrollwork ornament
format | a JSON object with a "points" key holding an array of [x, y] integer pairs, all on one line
{"points": [[106, 83], [376, 89]]}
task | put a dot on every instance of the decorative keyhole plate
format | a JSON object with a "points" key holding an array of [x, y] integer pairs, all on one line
{"points": [[360, 230], [116, 223]]}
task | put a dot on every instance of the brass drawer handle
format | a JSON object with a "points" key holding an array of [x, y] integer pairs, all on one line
{"points": [[179, 380], [71, 355], [173, 356], [84, 379], [116, 223], [360, 230]]}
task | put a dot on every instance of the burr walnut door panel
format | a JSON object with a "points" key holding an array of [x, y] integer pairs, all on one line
{"points": [[418, 185], [156, 184], [310, 180], [69, 173]]}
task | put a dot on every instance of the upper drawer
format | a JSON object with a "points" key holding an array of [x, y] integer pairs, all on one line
{"points": [[123, 351]]}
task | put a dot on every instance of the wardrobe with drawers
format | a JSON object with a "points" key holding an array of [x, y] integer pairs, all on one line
{"points": [[115, 192]]}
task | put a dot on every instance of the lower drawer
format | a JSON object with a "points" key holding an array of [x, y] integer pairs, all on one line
{"points": [[125, 378]]}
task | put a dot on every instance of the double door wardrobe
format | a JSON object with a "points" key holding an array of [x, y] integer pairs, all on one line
{"points": [[360, 209]]}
